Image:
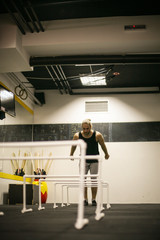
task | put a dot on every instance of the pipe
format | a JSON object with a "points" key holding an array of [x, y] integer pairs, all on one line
{"points": [[35, 16], [97, 59], [61, 82], [65, 79], [14, 18], [97, 72], [59, 2], [61, 74], [115, 92], [54, 80], [22, 17], [29, 16]]}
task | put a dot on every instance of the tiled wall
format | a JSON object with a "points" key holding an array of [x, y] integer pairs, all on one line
{"points": [[112, 132]]}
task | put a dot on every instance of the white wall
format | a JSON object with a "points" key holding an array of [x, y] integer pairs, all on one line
{"points": [[133, 168], [122, 108]]}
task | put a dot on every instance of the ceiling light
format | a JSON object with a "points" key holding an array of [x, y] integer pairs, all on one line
{"points": [[93, 80]]}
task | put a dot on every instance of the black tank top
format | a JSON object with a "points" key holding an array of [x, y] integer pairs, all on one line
{"points": [[92, 146]]}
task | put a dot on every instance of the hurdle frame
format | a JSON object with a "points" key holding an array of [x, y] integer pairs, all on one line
{"points": [[98, 212], [75, 185], [53, 178], [80, 221]]}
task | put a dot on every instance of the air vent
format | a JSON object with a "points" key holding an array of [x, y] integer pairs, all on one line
{"points": [[96, 106]]}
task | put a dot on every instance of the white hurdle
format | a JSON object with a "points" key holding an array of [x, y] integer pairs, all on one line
{"points": [[80, 221], [47, 177], [75, 185]]}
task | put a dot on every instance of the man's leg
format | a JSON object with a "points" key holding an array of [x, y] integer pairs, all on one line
{"points": [[94, 170], [85, 194], [94, 193], [85, 189]]}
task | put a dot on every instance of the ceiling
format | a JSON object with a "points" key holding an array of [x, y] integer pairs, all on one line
{"points": [[62, 72], [68, 76]]}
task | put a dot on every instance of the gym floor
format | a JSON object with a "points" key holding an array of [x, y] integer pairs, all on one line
{"points": [[121, 222]]}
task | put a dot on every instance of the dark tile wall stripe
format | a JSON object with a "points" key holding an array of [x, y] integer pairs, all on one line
{"points": [[135, 132], [112, 132], [15, 133]]}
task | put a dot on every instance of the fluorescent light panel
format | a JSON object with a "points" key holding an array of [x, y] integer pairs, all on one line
{"points": [[93, 80]]}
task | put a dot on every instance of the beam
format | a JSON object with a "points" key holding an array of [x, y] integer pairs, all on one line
{"points": [[97, 59]]}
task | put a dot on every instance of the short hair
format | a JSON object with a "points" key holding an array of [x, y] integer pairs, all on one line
{"points": [[87, 121]]}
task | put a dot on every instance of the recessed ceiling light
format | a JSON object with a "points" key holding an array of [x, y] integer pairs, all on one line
{"points": [[93, 80]]}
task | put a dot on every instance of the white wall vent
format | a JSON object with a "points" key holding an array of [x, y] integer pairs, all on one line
{"points": [[96, 106]]}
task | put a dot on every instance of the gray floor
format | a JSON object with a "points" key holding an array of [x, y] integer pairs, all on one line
{"points": [[121, 222]]}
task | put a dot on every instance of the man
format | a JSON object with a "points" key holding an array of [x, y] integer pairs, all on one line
{"points": [[92, 138]]}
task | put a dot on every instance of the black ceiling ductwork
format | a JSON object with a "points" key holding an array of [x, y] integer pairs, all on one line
{"points": [[62, 73], [24, 15], [117, 92], [58, 76], [63, 79], [14, 17], [58, 84], [97, 59], [135, 71]]}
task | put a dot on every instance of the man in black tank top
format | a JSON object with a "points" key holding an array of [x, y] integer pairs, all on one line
{"points": [[92, 138]]}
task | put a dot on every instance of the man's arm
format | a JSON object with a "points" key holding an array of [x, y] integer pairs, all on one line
{"points": [[100, 140], [73, 148]]}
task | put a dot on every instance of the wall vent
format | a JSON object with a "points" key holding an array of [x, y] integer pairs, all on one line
{"points": [[96, 106]]}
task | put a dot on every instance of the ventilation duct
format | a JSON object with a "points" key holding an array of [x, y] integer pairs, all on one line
{"points": [[96, 106], [97, 59]]}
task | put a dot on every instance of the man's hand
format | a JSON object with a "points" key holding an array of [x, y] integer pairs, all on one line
{"points": [[107, 156], [72, 159]]}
